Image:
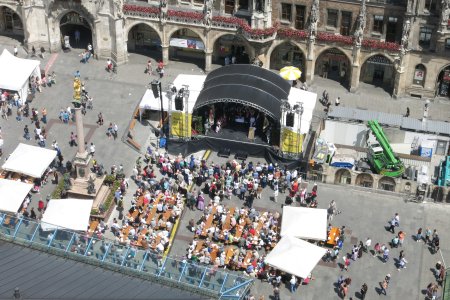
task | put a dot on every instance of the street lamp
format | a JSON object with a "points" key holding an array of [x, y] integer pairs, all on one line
{"points": [[284, 108], [298, 109]]}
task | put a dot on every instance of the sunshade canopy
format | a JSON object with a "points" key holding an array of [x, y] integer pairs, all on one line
{"points": [[16, 72], [302, 222], [12, 194], [246, 84], [29, 160], [290, 73], [67, 213], [295, 256]]}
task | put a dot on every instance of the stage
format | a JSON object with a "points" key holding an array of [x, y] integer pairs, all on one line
{"points": [[236, 141]]}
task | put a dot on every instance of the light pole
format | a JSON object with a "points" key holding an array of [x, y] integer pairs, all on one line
{"points": [[171, 91], [284, 108], [186, 94], [298, 108]]}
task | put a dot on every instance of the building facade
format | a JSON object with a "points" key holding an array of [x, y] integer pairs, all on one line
{"points": [[402, 46]]}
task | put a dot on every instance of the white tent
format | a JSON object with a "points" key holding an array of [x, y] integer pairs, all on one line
{"points": [[67, 213], [29, 160], [16, 72], [302, 222], [309, 100], [12, 194], [195, 83], [295, 256]]}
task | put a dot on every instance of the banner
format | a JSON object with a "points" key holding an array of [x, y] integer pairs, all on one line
{"points": [[187, 43], [179, 126], [289, 142]]}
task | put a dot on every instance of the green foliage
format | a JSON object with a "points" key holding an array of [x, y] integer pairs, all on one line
{"points": [[56, 194]]}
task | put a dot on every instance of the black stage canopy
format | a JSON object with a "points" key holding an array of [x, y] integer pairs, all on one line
{"points": [[247, 84]]}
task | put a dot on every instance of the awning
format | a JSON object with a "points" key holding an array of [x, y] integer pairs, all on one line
{"points": [[67, 213], [12, 194], [29, 160], [246, 84], [295, 256], [302, 222]]}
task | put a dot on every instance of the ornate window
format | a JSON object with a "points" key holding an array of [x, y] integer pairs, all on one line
{"points": [[425, 36], [378, 24], [332, 18], [286, 12], [300, 17], [419, 75], [346, 22]]}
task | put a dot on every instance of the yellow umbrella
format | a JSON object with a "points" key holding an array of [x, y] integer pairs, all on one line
{"points": [[290, 73]]}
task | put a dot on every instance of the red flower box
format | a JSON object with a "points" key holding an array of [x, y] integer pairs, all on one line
{"points": [[335, 38], [376, 44], [292, 33], [185, 14], [141, 9]]}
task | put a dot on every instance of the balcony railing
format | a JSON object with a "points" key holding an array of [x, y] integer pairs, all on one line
{"points": [[129, 260]]}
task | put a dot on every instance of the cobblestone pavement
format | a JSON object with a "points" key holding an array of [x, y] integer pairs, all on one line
{"points": [[363, 213]]}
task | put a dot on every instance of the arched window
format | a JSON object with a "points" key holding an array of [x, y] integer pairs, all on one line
{"points": [[419, 75]]}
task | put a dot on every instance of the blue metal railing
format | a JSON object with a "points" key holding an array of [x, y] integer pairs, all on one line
{"points": [[125, 259]]}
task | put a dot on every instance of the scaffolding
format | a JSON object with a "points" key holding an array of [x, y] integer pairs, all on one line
{"points": [[129, 260]]}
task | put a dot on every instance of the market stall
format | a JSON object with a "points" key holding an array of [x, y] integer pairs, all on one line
{"points": [[16, 73], [67, 213], [12, 194], [306, 223], [295, 256], [29, 160]]}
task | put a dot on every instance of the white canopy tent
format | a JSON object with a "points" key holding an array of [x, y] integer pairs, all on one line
{"points": [[309, 100], [12, 194], [29, 160], [67, 213], [302, 222], [16, 73], [295, 256], [195, 83]]}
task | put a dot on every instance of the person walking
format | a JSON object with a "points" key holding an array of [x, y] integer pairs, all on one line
{"points": [[26, 133], [385, 255], [385, 284], [44, 115], [392, 223], [92, 149], [293, 283], [401, 261], [100, 119], [427, 236], [16, 51], [337, 102], [276, 293], [149, 67], [115, 131], [73, 138], [367, 245], [419, 235], [363, 291]]}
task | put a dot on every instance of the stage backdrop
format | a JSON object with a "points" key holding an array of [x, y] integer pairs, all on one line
{"points": [[179, 126], [289, 141]]}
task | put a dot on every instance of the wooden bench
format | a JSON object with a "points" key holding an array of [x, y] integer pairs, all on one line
{"points": [[93, 226], [133, 143]]}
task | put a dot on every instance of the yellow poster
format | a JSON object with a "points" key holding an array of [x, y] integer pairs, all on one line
{"points": [[179, 126], [292, 142]]}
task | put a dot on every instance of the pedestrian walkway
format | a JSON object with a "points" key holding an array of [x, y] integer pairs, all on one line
{"points": [[374, 98]]}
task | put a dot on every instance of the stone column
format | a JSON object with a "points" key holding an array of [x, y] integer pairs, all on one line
{"points": [[165, 54], [82, 157], [356, 70], [310, 62], [208, 61]]}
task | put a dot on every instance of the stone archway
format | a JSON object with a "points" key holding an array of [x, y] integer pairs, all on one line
{"points": [[343, 176], [443, 83], [231, 45], [378, 70], [188, 46], [334, 64], [387, 184], [144, 39], [76, 29], [438, 194], [288, 54], [11, 24], [364, 180]]}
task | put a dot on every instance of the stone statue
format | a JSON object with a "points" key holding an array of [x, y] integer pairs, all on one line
{"points": [[445, 11], [359, 32], [313, 20], [91, 186], [207, 12], [163, 10], [67, 183], [405, 35], [118, 6]]}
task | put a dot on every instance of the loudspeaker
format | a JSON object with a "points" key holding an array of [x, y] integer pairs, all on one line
{"points": [[179, 103], [290, 119], [224, 152], [241, 155], [155, 88]]}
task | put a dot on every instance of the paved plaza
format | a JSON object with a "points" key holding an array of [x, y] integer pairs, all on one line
{"points": [[365, 214]]}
